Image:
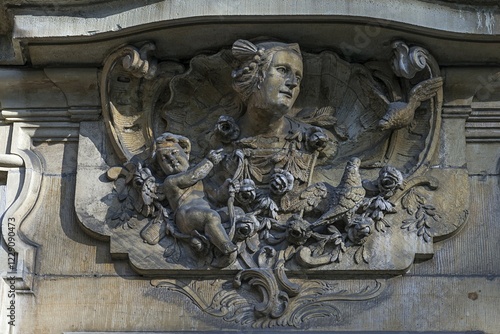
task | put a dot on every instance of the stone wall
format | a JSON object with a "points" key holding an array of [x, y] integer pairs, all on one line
{"points": [[69, 277]]}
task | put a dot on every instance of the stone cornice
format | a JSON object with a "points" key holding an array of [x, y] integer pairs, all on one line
{"points": [[50, 115], [45, 24], [471, 21]]}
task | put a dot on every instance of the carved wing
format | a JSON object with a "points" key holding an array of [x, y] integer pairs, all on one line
{"points": [[307, 200], [353, 96], [426, 89], [359, 96]]}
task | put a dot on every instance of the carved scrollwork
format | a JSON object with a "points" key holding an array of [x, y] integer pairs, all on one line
{"points": [[316, 300], [138, 62], [274, 301], [408, 61]]}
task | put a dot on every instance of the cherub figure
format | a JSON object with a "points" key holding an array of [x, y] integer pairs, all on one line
{"points": [[183, 188]]}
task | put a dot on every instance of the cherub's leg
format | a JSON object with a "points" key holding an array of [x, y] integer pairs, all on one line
{"points": [[216, 233]]}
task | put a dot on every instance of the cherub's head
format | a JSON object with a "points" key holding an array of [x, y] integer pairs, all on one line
{"points": [[172, 153], [269, 74]]}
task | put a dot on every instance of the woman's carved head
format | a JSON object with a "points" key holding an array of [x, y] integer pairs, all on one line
{"points": [[270, 72]]}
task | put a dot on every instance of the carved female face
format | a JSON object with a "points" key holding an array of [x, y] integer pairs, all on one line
{"points": [[172, 160], [281, 85]]}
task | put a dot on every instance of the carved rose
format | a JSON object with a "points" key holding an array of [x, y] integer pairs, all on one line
{"points": [[389, 180], [226, 129], [246, 193], [316, 139], [298, 230], [281, 182], [246, 227], [359, 229]]}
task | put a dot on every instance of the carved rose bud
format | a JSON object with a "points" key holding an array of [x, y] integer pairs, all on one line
{"points": [[246, 227], [226, 129], [246, 193], [316, 139], [359, 229], [281, 182], [298, 230], [389, 179]]}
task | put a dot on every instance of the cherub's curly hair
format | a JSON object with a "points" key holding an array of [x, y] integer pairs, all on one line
{"points": [[254, 61], [168, 139]]}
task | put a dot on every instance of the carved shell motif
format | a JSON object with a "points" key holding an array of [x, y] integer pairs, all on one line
{"points": [[348, 99]]}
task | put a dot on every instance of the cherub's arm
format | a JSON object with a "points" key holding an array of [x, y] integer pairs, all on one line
{"points": [[198, 172]]}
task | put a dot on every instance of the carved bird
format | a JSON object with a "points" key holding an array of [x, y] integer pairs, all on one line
{"points": [[400, 114], [346, 197], [307, 200]]}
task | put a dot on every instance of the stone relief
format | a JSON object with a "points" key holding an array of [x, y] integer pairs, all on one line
{"points": [[222, 168]]}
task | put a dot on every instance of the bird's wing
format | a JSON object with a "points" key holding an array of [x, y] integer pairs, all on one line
{"points": [[426, 89], [334, 212], [354, 193], [306, 200]]}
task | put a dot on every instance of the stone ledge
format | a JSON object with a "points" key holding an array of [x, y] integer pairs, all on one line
{"points": [[274, 332], [416, 13]]}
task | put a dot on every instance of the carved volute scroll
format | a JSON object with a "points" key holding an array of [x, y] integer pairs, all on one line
{"points": [[263, 163], [127, 106]]}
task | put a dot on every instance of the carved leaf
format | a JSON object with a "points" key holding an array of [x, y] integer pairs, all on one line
{"points": [[253, 243], [407, 223], [380, 225], [314, 301], [298, 165], [172, 251], [114, 213], [319, 116], [256, 172], [360, 255], [121, 189], [419, 198], [411, 201], [289, 252], [427, 237]]}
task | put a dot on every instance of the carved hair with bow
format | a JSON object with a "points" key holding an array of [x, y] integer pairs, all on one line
{"points": [[254, 61]]}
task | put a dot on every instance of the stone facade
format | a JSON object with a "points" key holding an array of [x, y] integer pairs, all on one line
{"points": [[377, 214]]}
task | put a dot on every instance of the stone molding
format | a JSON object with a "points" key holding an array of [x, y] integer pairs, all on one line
{"points": [[28, 29], [26, 177], [483, 124]]}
